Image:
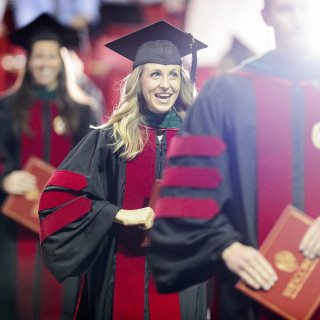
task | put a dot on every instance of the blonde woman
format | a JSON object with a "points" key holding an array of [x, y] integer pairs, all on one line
{"points": [[94, 212]]}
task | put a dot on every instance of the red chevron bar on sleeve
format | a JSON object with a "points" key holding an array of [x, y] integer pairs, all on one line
{"points": [[64, 216], [51, 199], [170, 207], [197, 146], [68, 179], [193, 177]]}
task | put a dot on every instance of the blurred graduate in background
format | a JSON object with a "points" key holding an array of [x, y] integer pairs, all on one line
{"points": [[44, 115]]}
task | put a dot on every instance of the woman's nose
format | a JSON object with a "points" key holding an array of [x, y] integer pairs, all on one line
{"points": [[164, 83]]}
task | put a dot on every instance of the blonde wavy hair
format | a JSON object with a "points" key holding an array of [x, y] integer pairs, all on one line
{"points": [[127, 116]]}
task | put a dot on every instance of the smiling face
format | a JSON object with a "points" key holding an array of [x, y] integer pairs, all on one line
{"points": [[160, 86], [45, 63]]}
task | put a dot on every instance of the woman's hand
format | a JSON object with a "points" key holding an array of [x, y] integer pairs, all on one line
{"points": [[19, 182], [310, 244], [139, 217], [250, 265]]}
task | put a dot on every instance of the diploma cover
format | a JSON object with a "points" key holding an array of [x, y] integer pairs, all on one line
{"points": [[152, 201], [24, 208], [296, 294], [155, 193]]}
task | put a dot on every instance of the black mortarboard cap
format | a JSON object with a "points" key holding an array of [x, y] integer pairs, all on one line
{"points": [[158, 43], [239, 51], [45, 27]]}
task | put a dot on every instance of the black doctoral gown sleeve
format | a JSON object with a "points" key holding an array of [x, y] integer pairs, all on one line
{"points": [[78, 207], [191, 228]]}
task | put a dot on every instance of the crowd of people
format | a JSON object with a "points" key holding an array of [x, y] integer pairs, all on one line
{"points": [[229, 159]]}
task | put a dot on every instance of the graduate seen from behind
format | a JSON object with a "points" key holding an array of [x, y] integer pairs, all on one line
{"points": [[249, 146], [44, 116], [94, 211]]}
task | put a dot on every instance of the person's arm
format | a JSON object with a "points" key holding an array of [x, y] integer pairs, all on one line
{"points": [[18, 182], [249, 265], [192, 234], [191, 230], [142, 217], [77, 209]]}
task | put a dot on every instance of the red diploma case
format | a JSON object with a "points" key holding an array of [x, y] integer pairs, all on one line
{"points": [[296, 294], [152, 201], [155, 192], [24, 208]]}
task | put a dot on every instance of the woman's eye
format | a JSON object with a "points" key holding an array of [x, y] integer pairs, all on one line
{"points": [[174, 75], [155, 75]]}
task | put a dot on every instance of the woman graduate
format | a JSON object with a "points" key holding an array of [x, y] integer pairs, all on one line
{"points": [[41, 117], [94, 211]]}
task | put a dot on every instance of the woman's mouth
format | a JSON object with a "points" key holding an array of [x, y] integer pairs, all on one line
{"points": [[163, 97]]}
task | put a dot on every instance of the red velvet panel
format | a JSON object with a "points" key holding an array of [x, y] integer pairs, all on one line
{"points": [[26, 269], [186, 208], [129, 292], [64, 216], [129, 287], [163, 306], [68, 179], [192, 177], [51, 199], [130, 260], [33, 144], [274, 160]]}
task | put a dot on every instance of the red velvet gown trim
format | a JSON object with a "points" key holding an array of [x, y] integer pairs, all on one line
{"points": [[275, 161], [68, 179], [196, 146], [50, 292], [171, 207], [192, 177], [129, 292]]}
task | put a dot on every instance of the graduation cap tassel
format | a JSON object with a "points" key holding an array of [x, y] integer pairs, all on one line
{"points": [[194, 59]]}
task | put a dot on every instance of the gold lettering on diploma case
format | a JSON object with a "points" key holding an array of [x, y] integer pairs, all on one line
{"points": [[299, 278], [286, 261]]}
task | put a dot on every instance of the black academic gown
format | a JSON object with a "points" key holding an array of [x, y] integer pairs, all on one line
{"points": [[256, 113], [28, 291], [78, 233]]}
